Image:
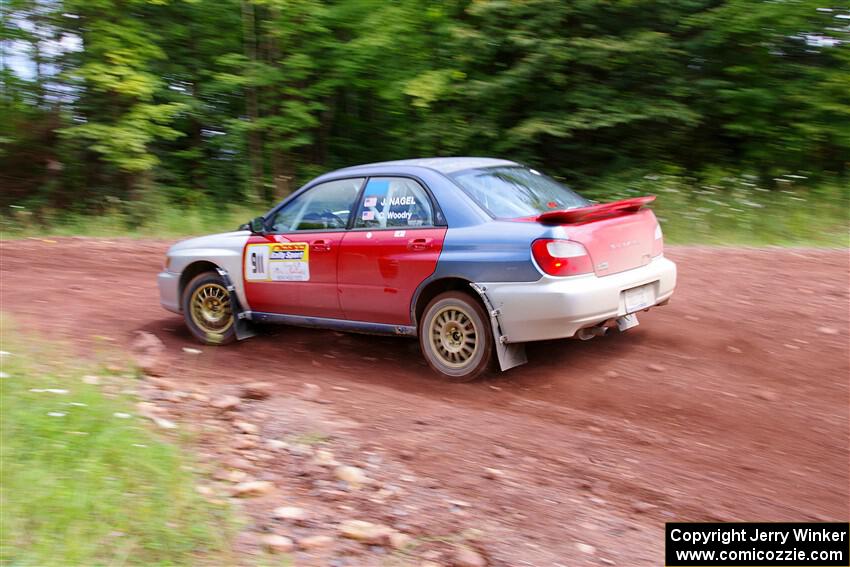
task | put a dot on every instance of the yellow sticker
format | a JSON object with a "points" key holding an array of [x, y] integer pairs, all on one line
{"points": [[280, 262]]}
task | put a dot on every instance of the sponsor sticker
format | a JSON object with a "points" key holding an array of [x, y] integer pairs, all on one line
{"points": [[282, 262], [257, 262]]}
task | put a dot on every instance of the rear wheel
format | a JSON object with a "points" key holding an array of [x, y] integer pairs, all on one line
{"points": [[208, 311], [455, 337]]}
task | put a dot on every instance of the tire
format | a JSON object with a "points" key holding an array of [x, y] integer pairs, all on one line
{"points": [[455, 337], [207, 310]]}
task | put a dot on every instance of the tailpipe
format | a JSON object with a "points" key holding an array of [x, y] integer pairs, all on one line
{"points": [[590, 332]]}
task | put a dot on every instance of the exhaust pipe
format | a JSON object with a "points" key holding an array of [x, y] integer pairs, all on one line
{"points": [[589, 332]]}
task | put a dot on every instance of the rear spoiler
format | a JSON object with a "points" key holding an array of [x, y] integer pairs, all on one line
{"points": [[595, 212]]}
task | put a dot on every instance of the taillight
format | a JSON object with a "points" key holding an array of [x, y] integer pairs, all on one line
{"points": [[658, 243], [561, 257]]}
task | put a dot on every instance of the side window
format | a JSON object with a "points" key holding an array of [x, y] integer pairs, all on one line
{"points": [[324, 207], [394, 202]]}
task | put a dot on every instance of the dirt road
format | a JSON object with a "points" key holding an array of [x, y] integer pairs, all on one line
{"points": [[731, 403]]}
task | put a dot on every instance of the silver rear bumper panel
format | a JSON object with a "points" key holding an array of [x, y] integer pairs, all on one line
{"points": [[555, 308]]}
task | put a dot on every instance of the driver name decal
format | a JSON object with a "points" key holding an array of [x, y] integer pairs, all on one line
{"points": [[283, 262]]}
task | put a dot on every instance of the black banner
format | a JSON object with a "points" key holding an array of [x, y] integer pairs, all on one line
{"points": [[789, 544]]}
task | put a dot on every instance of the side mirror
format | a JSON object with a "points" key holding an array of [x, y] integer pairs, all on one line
{"points": [[257, 225]]}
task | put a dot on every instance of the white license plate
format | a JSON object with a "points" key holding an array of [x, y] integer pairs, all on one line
{"points": [[639, 298]]}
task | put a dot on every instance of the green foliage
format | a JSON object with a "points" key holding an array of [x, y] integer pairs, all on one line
{"points": [[238, 102], [125, 141], [118, 86], [85, 482]]}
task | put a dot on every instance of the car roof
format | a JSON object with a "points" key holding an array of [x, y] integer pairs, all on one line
{"points": [[445, 165]]}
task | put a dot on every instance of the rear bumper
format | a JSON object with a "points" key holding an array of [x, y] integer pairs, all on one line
{"points": [[169, 291], [554, 308]]}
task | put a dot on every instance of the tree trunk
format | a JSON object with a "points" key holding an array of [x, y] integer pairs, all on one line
{"points": [[255, 141], [283, 174]]}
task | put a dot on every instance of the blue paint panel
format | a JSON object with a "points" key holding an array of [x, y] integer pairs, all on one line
{"points": [[496, 251]]}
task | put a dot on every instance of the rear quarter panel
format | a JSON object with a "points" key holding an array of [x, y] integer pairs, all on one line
{"points": [[492, 251]]}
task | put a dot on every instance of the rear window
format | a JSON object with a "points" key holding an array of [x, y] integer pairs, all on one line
{"points": [[515, 191]]}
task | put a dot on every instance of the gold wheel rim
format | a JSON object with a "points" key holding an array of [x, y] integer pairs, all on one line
{"points": [[210, 308], [454, 337]]}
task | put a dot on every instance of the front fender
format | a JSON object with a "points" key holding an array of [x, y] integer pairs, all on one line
{"points": [[223, 250]]}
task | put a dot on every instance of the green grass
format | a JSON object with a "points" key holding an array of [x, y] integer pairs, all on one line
{"points": [[160, 222], [754, 218], [736, 211], [82, 486], [729, 210]]}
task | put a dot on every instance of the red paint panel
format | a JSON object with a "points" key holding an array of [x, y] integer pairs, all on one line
{"points": [[595, 212], [379, 271], [617, 244], [316, 297]]}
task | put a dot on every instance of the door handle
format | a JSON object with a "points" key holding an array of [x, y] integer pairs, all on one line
{"points": [[321, 245], [419, 243]]}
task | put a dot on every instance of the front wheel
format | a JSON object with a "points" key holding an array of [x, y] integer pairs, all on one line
{"points": [[208, 311], [455, 337]]}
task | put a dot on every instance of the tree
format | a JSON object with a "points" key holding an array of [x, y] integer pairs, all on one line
{"points": [[771, 84], [117, 114]]}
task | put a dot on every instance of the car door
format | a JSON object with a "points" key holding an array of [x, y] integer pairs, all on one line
{"points": [[292, 270], [392, 247]]}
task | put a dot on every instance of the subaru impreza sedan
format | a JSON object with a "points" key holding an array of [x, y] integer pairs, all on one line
{"points": [[474, 256]]}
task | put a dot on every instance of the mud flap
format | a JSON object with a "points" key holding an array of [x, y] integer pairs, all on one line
{"points": [[627, 322], [241, 324], [510, 354]]}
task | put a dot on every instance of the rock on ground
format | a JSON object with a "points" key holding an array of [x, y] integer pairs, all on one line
{"points": [[468, 557], [315, 542], [257, 390], [643, 507], [398, 540], [278, 543], [148, 352], [352, 475], [292, 513], [253, 488], [225, 403], [246, 427], [366, 532], [311, 392]]}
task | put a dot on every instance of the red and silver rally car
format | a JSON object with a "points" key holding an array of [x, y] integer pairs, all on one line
{"points": [[475, 256]]}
